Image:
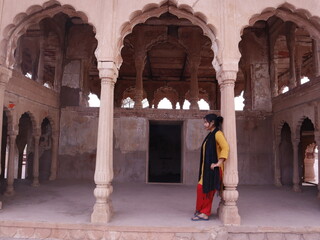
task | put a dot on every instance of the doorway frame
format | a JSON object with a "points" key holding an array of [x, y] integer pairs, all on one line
{"points": [[182, 155]]}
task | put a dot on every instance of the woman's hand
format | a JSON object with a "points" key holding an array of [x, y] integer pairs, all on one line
{"points": [[218, 164]]}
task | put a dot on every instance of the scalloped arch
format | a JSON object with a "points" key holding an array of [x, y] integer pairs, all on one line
{"points": [[288, 12], [180, 11], [35, 126], [33, 15], [166, 92], [130, 92]]}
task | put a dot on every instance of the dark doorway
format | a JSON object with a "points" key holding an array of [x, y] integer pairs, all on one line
{"points": [[286, 155], [165, 152]]}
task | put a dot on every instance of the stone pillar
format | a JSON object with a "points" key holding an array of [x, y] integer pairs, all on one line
{"points": [[58, 71], [5, 75], [292, 48], [274, 77], [18, 56], [102, 210], [35, 182], [296, 178], [298, 64], [194, 62], [181, 101], [54, 155], [174, 104], [317, 139], [277, 169], [229, 211], [316, 57], [139, 64], [247, 95], [213, 97], [10, 169], [40, 74]]}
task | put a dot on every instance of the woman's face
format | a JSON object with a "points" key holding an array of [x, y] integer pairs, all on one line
{"points": [[207, 125]]}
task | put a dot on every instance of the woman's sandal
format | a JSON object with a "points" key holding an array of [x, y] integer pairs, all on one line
{"points": [[200, 217]]}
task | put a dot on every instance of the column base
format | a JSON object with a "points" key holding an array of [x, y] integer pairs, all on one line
{"points": [[296, 188], [278, 183], [35, 183], [229, 215], [221, 203], [52, 177], [102, 212], [9, 192]]}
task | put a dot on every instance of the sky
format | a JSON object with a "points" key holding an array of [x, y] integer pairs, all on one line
{"points": [[165, 103]]}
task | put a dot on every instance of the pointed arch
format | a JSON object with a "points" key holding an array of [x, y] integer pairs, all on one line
{"points": [[299, 124], [279, 125], [52, 122], [34, 123]]}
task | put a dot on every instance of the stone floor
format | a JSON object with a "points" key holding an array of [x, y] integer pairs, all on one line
{"points": [[65, 206]]}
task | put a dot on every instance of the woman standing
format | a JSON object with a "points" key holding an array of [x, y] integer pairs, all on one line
{"points": [[214, 151]]}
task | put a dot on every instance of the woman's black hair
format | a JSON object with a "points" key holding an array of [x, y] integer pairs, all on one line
{"points": [[214, 118]]}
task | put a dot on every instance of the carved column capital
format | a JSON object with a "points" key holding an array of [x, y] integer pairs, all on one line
{"points": [[12, 133], [295, 142], [37, 133], [227, 75], [108, 71]]}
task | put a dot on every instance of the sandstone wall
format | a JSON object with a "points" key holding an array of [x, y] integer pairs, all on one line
{"points": [[131, 132], [78, 142]]}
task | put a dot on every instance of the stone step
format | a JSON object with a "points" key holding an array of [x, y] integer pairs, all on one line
{"points": [[43, 230]]}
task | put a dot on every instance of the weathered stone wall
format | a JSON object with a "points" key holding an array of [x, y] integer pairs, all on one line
{"points": [[130, 148], [255, 149], [45, 230], [131, 131], [78, 143]]}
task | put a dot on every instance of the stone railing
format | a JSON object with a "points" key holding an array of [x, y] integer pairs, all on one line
{"points": [[302, 94], [24, 87]]}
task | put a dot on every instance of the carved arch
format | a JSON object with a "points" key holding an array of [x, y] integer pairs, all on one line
{"points": [[34, 123], [289, 13], [33, 15], [131, 92], [299, 124], [166, 92], [181, 11]]}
